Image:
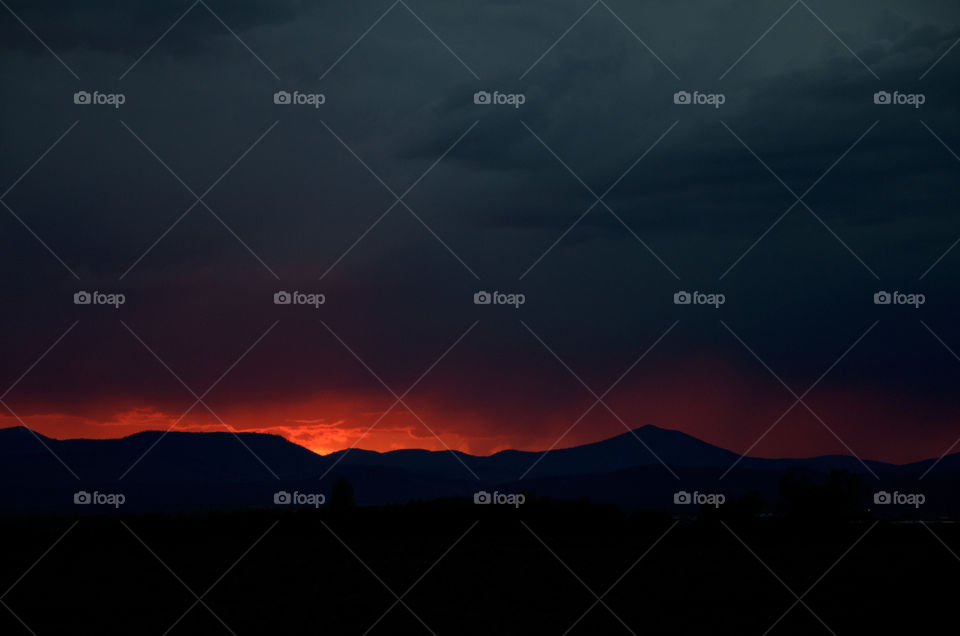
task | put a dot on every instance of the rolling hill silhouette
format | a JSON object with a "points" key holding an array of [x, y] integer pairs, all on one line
{"points": [[178, 471]]}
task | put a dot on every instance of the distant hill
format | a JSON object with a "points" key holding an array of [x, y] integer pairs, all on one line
{"points": [[183, 472]]}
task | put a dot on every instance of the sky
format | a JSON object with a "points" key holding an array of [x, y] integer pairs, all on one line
{"points": [[398, 198]]}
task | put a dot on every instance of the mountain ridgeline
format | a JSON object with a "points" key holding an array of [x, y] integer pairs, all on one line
{"points": [[643, 468]]}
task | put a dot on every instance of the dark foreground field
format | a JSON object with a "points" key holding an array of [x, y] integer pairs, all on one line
{"points": [[464, 569]]}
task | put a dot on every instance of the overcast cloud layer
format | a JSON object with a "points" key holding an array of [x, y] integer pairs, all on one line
{"points": [[296, 202]]}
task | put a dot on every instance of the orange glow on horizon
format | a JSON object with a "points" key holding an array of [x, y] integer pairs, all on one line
{"points": [[709, 401]]}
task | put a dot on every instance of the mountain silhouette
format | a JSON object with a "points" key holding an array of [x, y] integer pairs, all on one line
{"points": [[181, 471]]}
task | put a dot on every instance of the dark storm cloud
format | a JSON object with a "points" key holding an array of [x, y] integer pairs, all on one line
{"points": [[498, 200], [114, 26]]}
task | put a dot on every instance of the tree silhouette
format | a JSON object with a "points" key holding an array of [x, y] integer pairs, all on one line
{"points": [[342, 496]]}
